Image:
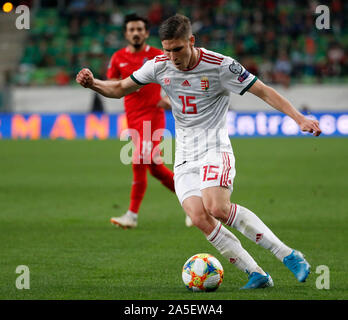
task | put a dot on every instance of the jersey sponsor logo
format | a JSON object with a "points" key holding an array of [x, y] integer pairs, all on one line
{"points": [[186, 84], [204, 83], [243, 76], [123, 64], [235, 67], [166, 81]]}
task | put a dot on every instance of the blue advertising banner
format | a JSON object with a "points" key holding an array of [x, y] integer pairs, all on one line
{"points": [[105, 126], [279, 125]]}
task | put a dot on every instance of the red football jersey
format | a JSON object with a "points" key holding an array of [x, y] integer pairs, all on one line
{"points": [[139, 105]]}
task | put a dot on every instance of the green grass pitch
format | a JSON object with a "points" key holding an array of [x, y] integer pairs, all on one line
{"points": [[56, 199]]}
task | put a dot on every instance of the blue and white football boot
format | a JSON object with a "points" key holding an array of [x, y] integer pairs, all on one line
{"points": [[298, 265], [258, 281]]}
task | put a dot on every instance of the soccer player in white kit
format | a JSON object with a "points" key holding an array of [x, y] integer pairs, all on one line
{"points": [[198, 83]]}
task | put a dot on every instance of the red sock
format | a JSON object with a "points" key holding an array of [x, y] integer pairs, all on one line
{"points": [[138, 187], [163, 174]]}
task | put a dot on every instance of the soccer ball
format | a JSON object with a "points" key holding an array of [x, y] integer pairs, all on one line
{"points": [[202, 272]]}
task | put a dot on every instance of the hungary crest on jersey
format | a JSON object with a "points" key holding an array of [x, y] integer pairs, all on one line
{"points": [[204, 83]]}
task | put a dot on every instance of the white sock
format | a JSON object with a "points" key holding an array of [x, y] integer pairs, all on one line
{"points": [[230, 247], [132, 215], [246, 222]]}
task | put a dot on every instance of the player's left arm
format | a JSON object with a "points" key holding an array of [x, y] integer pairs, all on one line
{"points": [[164, 103], [277, 101]]}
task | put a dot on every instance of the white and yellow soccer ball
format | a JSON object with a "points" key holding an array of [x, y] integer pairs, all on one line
{"points": [[202, 272]]}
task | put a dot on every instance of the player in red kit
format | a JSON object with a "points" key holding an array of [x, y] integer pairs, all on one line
{"points": [[145, 115]]}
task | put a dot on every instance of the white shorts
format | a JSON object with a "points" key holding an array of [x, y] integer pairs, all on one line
{"points": [[215, 169]]}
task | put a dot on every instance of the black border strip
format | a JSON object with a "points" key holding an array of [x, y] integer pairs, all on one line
{"points": [[248, 86], [136, 81]]}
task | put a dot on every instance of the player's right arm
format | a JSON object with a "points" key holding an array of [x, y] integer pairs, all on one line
{"points": [[107, 88]]}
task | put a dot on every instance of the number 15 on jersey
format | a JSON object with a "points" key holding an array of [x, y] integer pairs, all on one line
{"points": [[187, 106]]}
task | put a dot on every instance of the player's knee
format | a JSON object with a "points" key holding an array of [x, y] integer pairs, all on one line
{"points": [[198, 216], [216, 210], [200, 220], [154, 170], [194, 207], [140, 182], [139, 172]]}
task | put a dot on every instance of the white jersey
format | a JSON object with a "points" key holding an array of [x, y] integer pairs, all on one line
{"points": [[199, 99]]}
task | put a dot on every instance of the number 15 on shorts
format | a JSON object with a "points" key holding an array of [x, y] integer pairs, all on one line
{"points": [[210, 173], [220, 173]]}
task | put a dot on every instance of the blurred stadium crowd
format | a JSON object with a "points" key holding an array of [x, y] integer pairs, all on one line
{"points": [[275, 39]]}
